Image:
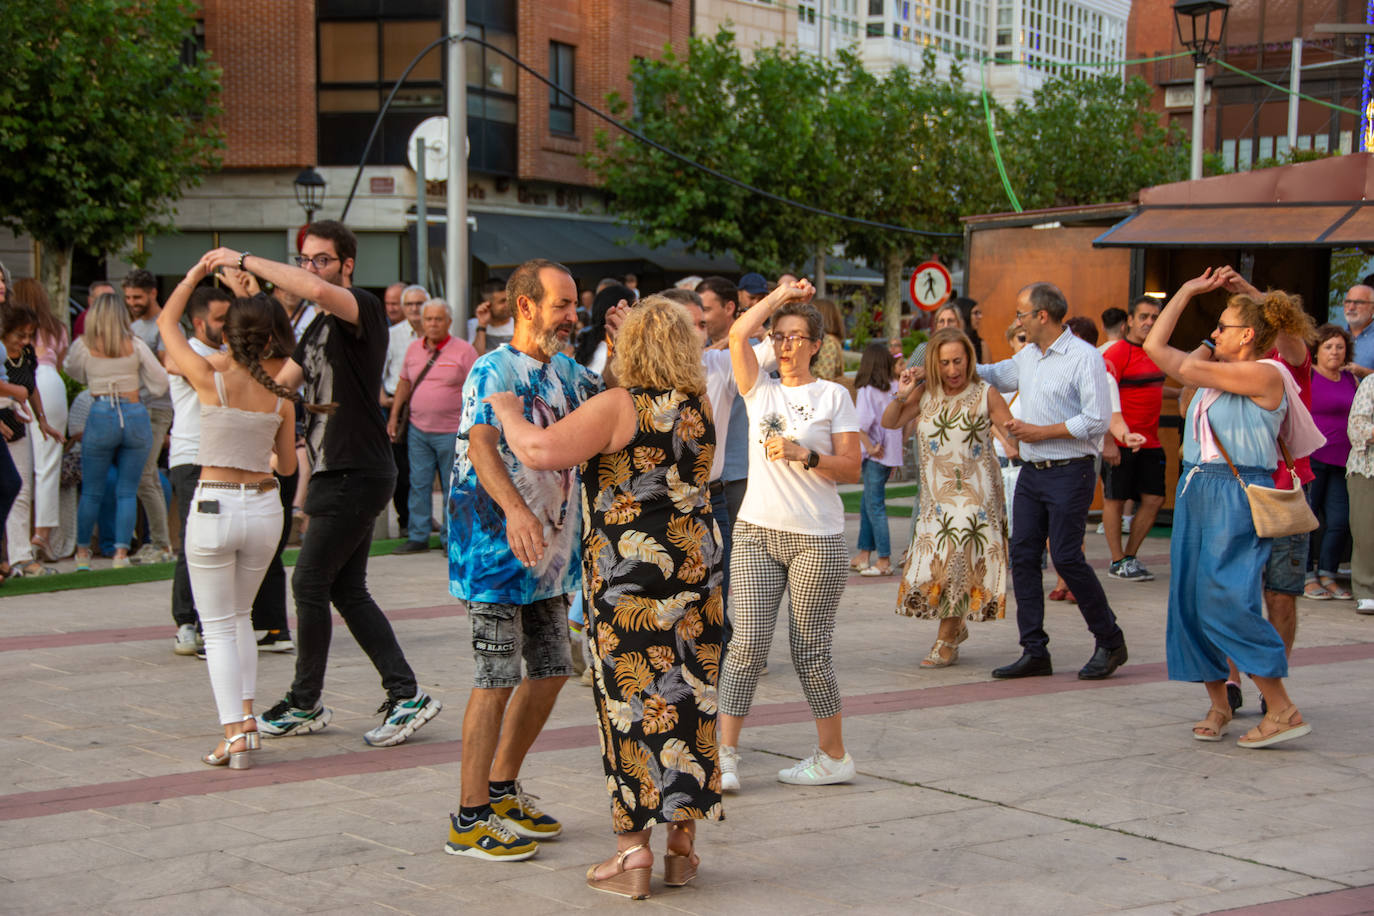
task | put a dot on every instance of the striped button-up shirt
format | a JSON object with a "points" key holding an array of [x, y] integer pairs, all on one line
{"points": [[1065, 384]]}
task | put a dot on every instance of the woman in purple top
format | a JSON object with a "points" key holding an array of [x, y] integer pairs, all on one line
{"points": [[874, 385], [1333, 393]]}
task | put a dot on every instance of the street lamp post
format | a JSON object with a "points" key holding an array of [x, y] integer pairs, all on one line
{"points": [[1201, 24], [309, 186]]}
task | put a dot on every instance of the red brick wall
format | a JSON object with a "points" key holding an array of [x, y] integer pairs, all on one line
{"points": [[266, 52], [608, 36]]}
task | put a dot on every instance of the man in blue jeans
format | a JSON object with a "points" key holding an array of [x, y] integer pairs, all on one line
{"points": [[1066, 409], [339, 360]]}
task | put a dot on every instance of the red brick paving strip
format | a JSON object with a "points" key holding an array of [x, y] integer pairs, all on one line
{"points": [[1353, 902], [421, 753]]}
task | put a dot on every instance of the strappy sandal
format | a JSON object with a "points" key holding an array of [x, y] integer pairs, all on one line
{"points": [[678, 869], [1314, 590], [857, 566], [1334, 590], [235, 760], [1213, 725], [42, 548], [1288, 725], [627, 882], [936, 660], [250, 731]]}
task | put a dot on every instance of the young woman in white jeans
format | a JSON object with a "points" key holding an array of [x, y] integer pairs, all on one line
{"points": [[803, 440], [236, 514]]}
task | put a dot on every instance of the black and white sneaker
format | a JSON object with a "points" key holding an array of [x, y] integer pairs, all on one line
{"points": [[1129, 569], [402, 719], [274, 641]]}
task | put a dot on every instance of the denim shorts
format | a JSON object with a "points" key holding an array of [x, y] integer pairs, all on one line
{"points": [[1287, 569], [504, 633]]}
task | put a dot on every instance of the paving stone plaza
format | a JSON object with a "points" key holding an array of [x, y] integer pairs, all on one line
{"points": [[1038, 796]]}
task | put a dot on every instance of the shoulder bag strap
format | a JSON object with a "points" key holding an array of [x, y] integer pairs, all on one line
{"points": [[423, 372]]}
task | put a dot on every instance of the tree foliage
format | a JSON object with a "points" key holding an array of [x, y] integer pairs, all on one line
{"points": [[1089, 139], [105, 118], [763, 122]]}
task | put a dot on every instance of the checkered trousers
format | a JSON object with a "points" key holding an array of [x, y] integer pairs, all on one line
{"points": [[813, 569]]}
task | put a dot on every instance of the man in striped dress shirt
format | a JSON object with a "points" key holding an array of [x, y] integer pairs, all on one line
{"points": [[1063, 389]]}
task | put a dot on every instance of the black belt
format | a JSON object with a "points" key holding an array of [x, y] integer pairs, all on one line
{"points": [[716, 486], [1058, 463]]}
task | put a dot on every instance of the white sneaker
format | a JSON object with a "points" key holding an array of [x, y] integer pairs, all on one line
{"points": [[1101, 528], [729, 769], [1126, 524], [186, 641], [1365, 606], [820, 769]]}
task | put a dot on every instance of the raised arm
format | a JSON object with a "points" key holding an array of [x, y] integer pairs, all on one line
{"points": [[742, 357], [605, 423], [1157, 346], [905, 405], [336, 300], [189, 363]]}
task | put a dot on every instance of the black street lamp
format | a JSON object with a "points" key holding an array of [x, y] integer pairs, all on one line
{"points": [[1201, 25], [309, 191]]}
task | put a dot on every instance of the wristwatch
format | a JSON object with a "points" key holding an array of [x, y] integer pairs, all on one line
{"points": [[812, 459]]}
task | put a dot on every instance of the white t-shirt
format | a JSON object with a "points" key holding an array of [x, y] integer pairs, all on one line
{"points": [[497, 334], [185, 442], [402, 335], [721, 390], [786, 495]]}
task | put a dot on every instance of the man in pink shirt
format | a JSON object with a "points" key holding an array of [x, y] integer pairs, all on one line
{"points": [[431, 385]]}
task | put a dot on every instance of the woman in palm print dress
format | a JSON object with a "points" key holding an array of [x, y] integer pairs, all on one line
{"points": [[956, 566], [651, 563]]}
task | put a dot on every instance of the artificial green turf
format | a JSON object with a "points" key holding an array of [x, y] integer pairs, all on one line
{"points": [[155, 572]]}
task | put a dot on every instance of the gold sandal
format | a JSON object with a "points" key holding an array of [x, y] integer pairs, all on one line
{"points": [[1206, 731], [936, 660], [678, 869], [628, 882], [1290, 725]]}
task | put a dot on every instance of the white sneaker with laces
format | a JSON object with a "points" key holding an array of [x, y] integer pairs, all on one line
{"points": [[1365, 606], [820, 769], [186, 641], [729, 769]]}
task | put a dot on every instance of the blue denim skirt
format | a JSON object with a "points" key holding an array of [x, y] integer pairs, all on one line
{"points": [[1216, 590]]}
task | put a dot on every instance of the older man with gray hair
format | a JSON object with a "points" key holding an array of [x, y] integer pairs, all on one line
{"points": [[402, 334], [427, 411]]}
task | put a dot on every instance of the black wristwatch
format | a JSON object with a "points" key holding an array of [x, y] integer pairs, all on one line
{"points": [[812, 459]]}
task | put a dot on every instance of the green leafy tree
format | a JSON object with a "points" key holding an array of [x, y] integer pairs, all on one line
{"points": [[763, 122], [106, 116], [1089, 139], [922, 139]]}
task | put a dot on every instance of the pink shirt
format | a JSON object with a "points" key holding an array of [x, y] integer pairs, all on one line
{"points": [[436, 406]]}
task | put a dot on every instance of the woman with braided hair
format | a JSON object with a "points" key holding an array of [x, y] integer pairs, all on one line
{"points": [[236, 514]]}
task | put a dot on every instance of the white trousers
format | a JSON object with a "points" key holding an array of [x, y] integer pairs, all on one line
{"points": [[231, 537], [47, 453], [17, 531]]}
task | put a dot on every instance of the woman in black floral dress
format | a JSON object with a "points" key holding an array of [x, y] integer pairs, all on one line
{"points": [[651, 561]]}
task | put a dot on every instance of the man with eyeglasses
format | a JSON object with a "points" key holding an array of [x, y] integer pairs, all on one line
{"points": [[339, 360], [1359, 317], [1065, 410], [402, 334]]}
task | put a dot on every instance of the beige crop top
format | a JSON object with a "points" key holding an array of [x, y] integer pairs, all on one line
{"points": [[231, 437], [114, 374]]}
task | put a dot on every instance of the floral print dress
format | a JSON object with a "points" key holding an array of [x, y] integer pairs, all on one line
{"points": [[651, 557], [956, 565]]}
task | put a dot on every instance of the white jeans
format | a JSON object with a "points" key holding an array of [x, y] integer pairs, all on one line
{"points": [[47, 453], [231, 537]]}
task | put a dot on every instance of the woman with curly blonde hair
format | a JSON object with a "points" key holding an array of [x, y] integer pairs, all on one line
{"points": [[1245, 406], [651, 574]]}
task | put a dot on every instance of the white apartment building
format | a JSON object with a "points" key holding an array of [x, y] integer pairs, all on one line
{"points": [[1029, 40]]}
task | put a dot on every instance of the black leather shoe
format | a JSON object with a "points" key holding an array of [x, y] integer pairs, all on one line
{"points": [[1103, 663], [412, 547], [1026, 666]]}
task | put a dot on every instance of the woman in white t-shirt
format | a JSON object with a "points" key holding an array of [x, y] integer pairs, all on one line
{"points": [[803, 440]]}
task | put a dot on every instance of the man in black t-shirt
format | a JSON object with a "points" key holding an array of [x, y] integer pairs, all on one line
{"points": [[339, 361]]}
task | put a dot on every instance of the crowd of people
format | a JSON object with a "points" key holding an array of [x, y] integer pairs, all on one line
{"points": [[652, 474]]}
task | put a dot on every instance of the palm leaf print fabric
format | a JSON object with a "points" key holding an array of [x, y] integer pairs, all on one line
{"points": [[956, 565], [651, 556]]}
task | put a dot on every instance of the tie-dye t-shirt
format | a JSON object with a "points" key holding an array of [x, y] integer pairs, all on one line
{"points": [[480, 562]]}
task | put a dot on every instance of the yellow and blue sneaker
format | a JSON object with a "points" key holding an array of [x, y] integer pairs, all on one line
{"points": [[489, 839], [517, 810]]}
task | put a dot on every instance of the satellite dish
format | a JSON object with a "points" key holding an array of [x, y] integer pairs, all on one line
{"points": [[434, 131]]}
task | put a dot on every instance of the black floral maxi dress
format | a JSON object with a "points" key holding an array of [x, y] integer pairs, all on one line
{"points": [[651, 563]]}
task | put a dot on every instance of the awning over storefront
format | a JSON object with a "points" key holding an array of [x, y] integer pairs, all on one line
{"points": [[1328, 203], [1250, 226], [503, 240]]}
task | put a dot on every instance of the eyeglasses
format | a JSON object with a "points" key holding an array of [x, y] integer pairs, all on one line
{"points": [[413, 303], [1021, 316], [321, 261], [1221, 326], [1359, 302], [791, 340]]}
